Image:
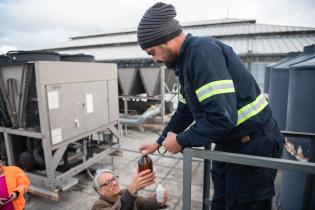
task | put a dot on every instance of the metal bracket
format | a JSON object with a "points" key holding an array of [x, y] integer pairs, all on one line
{"points": [[57, 156]]}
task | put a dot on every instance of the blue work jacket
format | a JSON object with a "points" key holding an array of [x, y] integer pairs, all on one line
{"points": [[217, 93]]}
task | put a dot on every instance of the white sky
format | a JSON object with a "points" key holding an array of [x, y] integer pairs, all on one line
{"points": [[31, 24]]}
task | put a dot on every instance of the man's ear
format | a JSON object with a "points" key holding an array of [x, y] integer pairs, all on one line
{"points": [[171, 43]]}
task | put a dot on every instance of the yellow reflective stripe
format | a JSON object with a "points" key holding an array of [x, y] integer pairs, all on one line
{"points": [[214, 88], [210, 84], [181, 99], [251, 109], [227, 90]]}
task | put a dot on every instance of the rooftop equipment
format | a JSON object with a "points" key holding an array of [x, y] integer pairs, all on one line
{"points": [[4, 59], [268, 68], [59, 113], [297, 189], [24, 56], [279, 84], [130, 81], [77, 58]]}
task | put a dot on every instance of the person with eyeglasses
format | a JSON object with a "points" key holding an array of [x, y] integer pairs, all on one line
{"points": [[112, 197]]}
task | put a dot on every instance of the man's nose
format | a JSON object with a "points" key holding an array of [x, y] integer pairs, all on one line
{"points": [[155, 59]]}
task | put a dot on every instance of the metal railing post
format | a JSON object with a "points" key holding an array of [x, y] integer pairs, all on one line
{"points": [[206, 183], [187, 181]]}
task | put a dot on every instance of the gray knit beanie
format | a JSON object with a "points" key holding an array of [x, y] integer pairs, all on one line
{"points": [[158, 25]]}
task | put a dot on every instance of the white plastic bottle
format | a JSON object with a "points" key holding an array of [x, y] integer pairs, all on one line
{"points": [[160, 193]]}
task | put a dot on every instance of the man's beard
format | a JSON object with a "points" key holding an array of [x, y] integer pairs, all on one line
{"points": [[170, 58]]}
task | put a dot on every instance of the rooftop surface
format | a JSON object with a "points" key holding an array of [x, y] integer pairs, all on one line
{"points": [[169, 173]]}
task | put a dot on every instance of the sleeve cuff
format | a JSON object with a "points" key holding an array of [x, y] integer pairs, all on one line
{"points": [[182, 140], [160, 141]]}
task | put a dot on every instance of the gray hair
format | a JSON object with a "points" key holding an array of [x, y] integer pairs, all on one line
{"points": [[99, 172]]}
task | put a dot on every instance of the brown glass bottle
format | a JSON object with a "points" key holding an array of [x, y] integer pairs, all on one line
{"points": [[145, 163]]}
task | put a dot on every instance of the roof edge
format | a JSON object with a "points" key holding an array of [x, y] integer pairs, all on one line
{"points": [[184, 25]]}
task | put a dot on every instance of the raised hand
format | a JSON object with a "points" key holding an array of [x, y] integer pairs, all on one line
{"points": [[141, 180]]}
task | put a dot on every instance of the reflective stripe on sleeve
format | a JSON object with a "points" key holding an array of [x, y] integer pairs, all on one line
{"points": [[214, 88], [251, 109]]}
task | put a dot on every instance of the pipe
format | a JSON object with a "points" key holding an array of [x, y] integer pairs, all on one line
{"points": [[152, 111]]}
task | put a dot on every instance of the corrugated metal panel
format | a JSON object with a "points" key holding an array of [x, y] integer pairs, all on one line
{"points": [[103, 40], [251, 38], [243, 28], [288, 43], [239, 28], [185, 24], [261, 45]]}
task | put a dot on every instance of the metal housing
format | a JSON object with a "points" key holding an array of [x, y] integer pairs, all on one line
{"points": [[74, 102]]}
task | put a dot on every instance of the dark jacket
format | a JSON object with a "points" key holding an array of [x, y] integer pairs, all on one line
{"points": [[217, 92], [127, 201]]}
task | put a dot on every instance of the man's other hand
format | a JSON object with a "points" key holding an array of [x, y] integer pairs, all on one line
{"points": [[170, 143]]}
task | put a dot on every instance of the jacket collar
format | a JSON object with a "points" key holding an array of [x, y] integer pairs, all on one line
{"points": [[185, 44], [182, 52]]}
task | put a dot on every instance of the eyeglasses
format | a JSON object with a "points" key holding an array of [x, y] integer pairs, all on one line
{"points": [[110, 181]]}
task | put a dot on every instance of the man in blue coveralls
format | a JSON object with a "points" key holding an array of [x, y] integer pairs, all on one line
{"points": [[223, 99]]}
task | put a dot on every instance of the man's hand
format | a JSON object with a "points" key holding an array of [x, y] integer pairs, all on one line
{"points": [[141, 180], [148, 148], [170, 143]]}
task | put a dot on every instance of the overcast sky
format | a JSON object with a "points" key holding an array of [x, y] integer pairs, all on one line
{"points": [[31, 24]]}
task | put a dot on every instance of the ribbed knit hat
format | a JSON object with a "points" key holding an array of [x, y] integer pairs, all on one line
{"points": [[158, 25]]}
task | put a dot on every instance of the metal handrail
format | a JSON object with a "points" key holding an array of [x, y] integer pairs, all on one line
{"points": [[250, 160]]}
